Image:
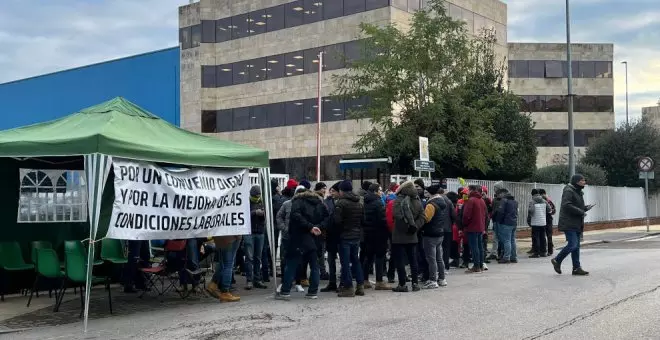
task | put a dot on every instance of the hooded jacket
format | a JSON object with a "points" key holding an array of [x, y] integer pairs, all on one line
{"points": [[408, 214], [573, 210], [507, 212], [474, 214], [374, 224], [307, 212], [348, 217], [537, 211], [258, 223]]}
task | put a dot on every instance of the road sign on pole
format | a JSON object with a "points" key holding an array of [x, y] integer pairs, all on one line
{"points": [[645, 164], [421, 165]]}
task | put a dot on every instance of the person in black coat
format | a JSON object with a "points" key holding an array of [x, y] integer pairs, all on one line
{"points": [[308, 214], [571, 222], [376, 235]]}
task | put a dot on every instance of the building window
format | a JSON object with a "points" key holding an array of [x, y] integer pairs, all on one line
{"points": [[240, 26], [524, 104], [311, 60], [208, 76], [258, 69], [605, 104], [555, 104], [196, 35], [224, 75], [258, 117], [355, 105], [333, 58], [603, 69], [536, 69], [375, 4], [536, 103], [559, 138], [208, 121], [257, 22], [276, 116], [224, 121], [208, 31], [184, 38], [294, 63], [554, 69], [313, 10], [275, 66], [585, 103], [311, 111], [353, 6], [241, 72], [242, 118], [518, 69], [353, 51], [275, 18], [294, 112], [333, 9], [52, 196], [223, 30], [333, 109], [294, 14], [587, 69]]}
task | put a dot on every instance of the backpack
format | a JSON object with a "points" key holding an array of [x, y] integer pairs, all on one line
{"points": [[389, 215]]}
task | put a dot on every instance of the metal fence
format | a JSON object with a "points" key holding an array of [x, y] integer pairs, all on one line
{"points": [[611, 203]]}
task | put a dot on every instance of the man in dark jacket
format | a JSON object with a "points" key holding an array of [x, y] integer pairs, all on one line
{"points": [[277, 200], [306, 221], [436, 219], [319, 189], [549, 220], [423, 266], [506, 218], [332, 240], [571, 222], [497, 250], [408, 219], [448, 235], [253, 244], [376, 235], [474, 217], [348, 221]]}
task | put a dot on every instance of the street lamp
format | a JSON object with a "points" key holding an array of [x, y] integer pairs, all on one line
{"points": [[571, 131], [626, 63]]}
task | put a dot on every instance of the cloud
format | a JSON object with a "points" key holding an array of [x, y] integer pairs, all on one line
{"points": [[41, 37], [633, 28]]}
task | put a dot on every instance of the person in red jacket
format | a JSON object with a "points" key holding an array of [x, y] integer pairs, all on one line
{"points": [[474, 217]]}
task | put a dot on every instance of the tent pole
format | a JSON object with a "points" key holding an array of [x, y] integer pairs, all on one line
{"points": [[267, 197]]}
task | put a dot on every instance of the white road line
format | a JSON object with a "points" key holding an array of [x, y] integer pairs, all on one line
{"points": [[644, 238]]}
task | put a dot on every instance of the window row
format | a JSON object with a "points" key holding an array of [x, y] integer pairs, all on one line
{"points": [[559, 138], [536, 103], [559, 69], [282, 65], [270, 19], [297, 112]]}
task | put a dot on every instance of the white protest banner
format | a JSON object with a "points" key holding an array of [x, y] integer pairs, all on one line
{"points": [[153, 203]]}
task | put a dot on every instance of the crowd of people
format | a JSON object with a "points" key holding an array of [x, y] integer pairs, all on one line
{"points": [[410, 230]]}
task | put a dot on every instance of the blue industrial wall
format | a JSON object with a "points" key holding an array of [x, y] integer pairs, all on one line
{"points": [[150, 80]]}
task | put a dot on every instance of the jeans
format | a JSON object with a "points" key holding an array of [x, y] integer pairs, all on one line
{"points": [[252, 247], [294, 260], [374, 254], [320, 254], [433, 250], [283, 250], [223, 272], [496, 239], [192, 253], [508, 238], [402, 252], [266, 259], [476, 244], [573, 248], [446, 248], [333, 252], [538, 239], [349, 257], [548, 234]]}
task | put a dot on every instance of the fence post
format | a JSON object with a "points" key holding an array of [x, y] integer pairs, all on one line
{"points": [[609, 213]]}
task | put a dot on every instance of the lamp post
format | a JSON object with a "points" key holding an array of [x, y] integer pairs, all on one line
{"points": [[626, 63], [571, 131], [318, 118]]}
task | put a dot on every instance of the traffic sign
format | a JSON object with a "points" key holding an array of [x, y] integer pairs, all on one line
{"points": [[421, 165], [645, 164], [646, 175]]}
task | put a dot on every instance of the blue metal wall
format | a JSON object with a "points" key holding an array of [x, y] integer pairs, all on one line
{"points": [[150, 80]]}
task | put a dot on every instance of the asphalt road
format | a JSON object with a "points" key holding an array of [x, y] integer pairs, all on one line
{"points": [[619, 300]]}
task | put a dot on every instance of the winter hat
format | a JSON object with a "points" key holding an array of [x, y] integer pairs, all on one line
{"points": [[394, 187], [335, 186], [300, 188], [576, 178], [433, 189], [499, 185], [274, 183], [365, 185], [291, 184], [484, 189], [319, 186], [535, 192], [420, 182], [346, 186], [306, 184], [255, 190], [374, 187]]}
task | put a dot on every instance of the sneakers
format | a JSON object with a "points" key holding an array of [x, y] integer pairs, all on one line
{"points": [[442, 283], [400, 289], [249, 286], [415, 287], [228, 297], [382, 286], [359, 290], [299, 289], [283, 297], [514, 260], [580, 272], [503, 261], [485, 267], [431, 285], [492, 257], [304, 283], [472, 270], [279, 288], [260, 285], [346, 292], [556, 265], [367, 284], [331, 287], [311, 296]]}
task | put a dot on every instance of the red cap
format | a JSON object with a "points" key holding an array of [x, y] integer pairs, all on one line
{"points": [[292, 184], [484, 189]]}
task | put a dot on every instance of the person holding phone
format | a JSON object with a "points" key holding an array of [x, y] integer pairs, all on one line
{"points": [[571, 223]]}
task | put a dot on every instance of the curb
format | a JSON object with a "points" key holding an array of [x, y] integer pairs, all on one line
{"points": [[590, 243]]}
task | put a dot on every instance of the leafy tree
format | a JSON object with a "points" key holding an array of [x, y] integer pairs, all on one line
{"points": [[438, 81], [617, 152], [559, 174]]}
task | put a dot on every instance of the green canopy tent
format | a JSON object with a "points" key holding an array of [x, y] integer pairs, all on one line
{"points": [[118, 128]]}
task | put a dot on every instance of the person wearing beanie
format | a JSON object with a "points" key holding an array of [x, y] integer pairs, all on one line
{"points": [[253, 244], [537, 212], [306, 184], [571, 222], [408, 219], [364, 189], [437, 221], [332, 240], [376, 235], [348, 217]]}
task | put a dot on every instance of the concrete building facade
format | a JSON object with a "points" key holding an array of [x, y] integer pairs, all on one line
{"points": [[652, 113], [249, 70], [538, 73]]}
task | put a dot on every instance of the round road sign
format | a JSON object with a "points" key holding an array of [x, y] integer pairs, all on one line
{"points": [[645, 164]]}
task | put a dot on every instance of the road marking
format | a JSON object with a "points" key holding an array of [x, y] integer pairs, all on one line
{"points": [[643, 238]]}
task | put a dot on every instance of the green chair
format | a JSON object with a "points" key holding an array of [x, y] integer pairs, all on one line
{"points": [[11, 260], [113, 252], [75, 274], [33, 258], [79, 247], [48, 266]]}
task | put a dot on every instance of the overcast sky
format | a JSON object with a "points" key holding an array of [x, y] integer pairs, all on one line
{"points": [[45, 36]]}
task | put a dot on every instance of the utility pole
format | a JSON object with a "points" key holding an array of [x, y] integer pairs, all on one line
{"points": [[571, 130]]}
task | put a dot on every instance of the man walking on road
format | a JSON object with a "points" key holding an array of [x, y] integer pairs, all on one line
{"points": [[571, 222]]}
